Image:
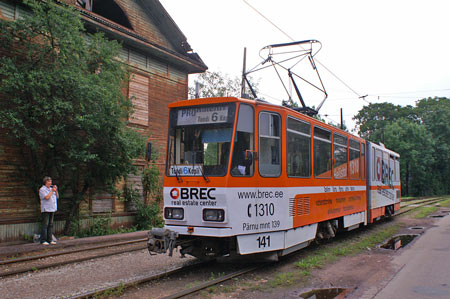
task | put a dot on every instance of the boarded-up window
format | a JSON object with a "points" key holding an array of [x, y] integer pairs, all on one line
{"points": [[7, 10], [157, 67], [138, 59], [102, 202], [138, 92], [178, 75]]}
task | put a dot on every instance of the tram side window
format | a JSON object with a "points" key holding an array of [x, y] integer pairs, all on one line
{"points": [[322, 153], [269, 144], [298, 148], [354, 159], [397, 170], [363, 161], [340, 156], [242, 163]]}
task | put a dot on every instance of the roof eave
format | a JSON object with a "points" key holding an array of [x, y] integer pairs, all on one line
{"points": [[191, 62]]}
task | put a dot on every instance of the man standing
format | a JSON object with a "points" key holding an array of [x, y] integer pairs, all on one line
{"points": [[48, 195]]}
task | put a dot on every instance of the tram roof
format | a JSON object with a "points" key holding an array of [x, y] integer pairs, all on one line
{"points": [[220, 100]]}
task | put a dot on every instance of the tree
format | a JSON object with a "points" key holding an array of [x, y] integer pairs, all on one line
{"points": [[434, 114], [372, 119], [416, 148], [421, 134], [216, 84], [62, 102]]}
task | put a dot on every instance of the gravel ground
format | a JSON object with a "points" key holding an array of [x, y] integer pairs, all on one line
{"points": [[73, 279]]}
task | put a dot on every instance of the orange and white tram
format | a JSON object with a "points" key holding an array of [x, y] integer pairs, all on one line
{"points": [[245, 177]]}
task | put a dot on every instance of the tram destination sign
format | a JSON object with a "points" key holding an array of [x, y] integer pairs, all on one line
{"points": [[185, 170], [202, 115]]}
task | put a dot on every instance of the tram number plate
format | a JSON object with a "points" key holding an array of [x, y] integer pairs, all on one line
{"points": [[263, 241], [260, 242]]}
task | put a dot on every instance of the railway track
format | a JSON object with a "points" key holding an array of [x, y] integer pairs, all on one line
{"points": [[42, 258], [149, 278], [224, 278], [407, 208], [178, 270]]}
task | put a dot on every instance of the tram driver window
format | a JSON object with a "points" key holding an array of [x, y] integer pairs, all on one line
{"points": [[298, 148], [243, 148], [322, 153], [269, 144]]}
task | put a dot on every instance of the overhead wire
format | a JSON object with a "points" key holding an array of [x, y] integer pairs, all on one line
{"points": [[321, 64]]}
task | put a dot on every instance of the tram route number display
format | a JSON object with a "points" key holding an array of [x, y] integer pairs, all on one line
{"points": [[202, 115]]}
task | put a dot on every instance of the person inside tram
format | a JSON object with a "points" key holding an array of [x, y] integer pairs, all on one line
{"points": [[242, 155]]}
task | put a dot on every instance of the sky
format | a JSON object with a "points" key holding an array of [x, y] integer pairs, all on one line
{"points": [[390, 50]]}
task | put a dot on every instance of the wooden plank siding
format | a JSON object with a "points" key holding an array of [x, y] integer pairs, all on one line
{"points": [[138, 93], [156, 81], [16, 198]]}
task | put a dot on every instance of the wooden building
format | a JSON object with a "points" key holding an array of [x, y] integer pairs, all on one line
{"points": [[161, 60]]}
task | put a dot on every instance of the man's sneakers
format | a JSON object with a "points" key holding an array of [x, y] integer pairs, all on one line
{"points": [[45, 243]]}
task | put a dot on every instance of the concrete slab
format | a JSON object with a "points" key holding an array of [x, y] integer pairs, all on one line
{"points": [[424, 268]]}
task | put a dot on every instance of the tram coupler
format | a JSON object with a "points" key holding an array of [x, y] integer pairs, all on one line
{"points": [[160, 240]]}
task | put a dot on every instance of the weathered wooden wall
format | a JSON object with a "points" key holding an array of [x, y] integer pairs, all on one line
{"points": [[17, 201], [154, 84]]}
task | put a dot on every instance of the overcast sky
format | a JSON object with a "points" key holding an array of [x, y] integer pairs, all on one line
{"points": [[394, 51]]}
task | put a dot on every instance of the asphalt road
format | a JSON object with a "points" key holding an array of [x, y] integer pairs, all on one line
{"points": [[424, 267]]}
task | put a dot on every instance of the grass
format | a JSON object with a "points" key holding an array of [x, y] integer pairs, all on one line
{"points": [[425, 211], [316, 258], [324, 255], [111, 293], [282, 279], [329, 254], [445, 203]]}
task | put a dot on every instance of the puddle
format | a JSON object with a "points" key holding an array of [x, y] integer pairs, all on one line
{"points": [[322, 293], [417, 228], [398, 242]]}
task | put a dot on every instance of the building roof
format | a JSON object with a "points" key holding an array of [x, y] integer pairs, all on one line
{"points": [[182, 55]]}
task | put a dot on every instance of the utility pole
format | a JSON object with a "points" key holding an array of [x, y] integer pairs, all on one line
{"points": [[342, 121], [197, 89], [243, 73]]}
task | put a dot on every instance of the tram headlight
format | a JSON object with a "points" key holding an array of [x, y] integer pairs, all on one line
{"points": [[174, 213], [217, 215]]}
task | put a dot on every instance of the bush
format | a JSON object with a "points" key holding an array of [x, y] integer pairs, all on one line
{"points": [[100, 227], [148, 216]]}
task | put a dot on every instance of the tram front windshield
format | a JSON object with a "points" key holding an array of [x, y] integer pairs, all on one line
{"points": [[200, 140]]}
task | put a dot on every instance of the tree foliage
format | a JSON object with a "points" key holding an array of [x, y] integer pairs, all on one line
{"points": [[420, 134], [372, 119], [62, 102], [216, 84]]}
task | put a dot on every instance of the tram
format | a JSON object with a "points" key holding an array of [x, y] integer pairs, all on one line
{"points": [[248, 177]]}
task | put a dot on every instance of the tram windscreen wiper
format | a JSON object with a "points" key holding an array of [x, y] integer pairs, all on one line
{"points": [[171, 159], [201, 167]]}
